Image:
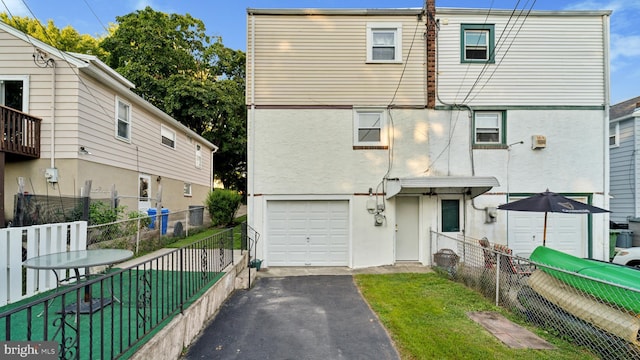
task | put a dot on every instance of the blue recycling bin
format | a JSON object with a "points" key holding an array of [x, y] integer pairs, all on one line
{"points": [[165, 221], [152, 214]]}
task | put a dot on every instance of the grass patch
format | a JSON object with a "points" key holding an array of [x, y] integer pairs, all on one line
{"points": [[425, 315], [237, 232]]}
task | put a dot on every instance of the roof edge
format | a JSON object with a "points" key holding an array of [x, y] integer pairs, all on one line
{"points": [[416, 11]]}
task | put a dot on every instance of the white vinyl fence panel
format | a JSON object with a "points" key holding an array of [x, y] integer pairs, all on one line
{"points": [[40, 240]]}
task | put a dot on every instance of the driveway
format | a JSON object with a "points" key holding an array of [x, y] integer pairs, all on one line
{"points": [[298, 317]]}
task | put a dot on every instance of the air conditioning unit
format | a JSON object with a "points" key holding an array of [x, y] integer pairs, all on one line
{"points": [[538, 142]]}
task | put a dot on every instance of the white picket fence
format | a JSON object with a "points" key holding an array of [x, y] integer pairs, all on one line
{"points": [[38, 240]]}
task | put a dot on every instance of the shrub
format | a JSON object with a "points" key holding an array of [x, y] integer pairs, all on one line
{"points": [[222, 206]]}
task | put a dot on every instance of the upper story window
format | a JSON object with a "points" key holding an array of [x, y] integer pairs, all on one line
{"points": [[123, 120], [168, 137], [369, 128], [14, 92], [477, 43], [384, 42], [489, 128], [614, 135]]}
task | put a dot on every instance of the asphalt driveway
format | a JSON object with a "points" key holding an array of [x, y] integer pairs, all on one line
{"points": [[299, 317]]}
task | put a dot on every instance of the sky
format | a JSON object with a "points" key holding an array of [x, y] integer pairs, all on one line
{"points": [[227, 19]]}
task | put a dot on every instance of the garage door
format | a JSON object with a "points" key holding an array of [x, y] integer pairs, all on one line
{"points": [[565, 232], [307, 233]]}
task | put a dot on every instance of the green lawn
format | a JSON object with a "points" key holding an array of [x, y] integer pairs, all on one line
{"points": [[237, 232], [425, 315]]}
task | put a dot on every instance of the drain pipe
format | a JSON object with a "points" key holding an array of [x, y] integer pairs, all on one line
{"points": [[53, 112]]}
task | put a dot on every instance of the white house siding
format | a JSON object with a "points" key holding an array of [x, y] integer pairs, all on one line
{"points": [[623, 176], [544, 59], [85, 116], [321, 60], [298, 150], [145, 153]]}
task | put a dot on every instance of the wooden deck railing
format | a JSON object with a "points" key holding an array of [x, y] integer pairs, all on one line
{"points": [[20, 133]]}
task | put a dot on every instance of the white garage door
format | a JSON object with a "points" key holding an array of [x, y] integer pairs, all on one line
{"points": [[307, 233], [565, 232]]}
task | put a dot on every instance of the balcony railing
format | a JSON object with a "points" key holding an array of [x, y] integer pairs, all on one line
{"points": [[20, 133]]}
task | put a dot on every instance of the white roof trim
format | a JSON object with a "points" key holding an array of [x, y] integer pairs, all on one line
{"points": [[439, 185]]}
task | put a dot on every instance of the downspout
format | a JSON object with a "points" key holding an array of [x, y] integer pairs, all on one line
{"points": [[251, 127], [605, 142], [211, 176], [53, 112]]}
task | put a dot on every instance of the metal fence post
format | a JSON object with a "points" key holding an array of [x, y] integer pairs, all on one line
{"points": [[181, 252], [186, 223], [497, 277]]}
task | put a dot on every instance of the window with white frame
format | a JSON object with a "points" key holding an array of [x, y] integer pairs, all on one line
{"points": [[14, 92], [168, 136], [123, 120], [478, 43], [384, 42], [187, 189], [369, 127], [198, 156], [489, 127], [614, 135]]}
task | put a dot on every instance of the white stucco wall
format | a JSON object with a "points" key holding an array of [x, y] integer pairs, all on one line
{"points": [[307, 153]]}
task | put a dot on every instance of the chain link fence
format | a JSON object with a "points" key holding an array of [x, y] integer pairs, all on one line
{"points": [[148, 233], [599, 315]]}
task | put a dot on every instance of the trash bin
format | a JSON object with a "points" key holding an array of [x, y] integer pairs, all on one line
{"points": [[446, 258], [255, 263], [196, 215], [634, 226], [164, 221], [624, 239], [152, 214]]}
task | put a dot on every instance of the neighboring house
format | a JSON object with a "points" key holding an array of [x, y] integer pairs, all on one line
{"points": [[102, 132], [367, 132], [624, 135]]}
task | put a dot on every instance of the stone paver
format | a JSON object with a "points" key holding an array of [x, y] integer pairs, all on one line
{"points": [[513, 335]]}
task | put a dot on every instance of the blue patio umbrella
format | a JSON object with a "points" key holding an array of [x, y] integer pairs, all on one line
{"points": [[547, 202]]}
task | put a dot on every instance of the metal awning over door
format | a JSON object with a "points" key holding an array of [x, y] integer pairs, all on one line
{"points": [[471, 186]]}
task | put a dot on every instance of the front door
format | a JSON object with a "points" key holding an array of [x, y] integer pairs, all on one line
{"points": [[144, 192], [407, 244]]}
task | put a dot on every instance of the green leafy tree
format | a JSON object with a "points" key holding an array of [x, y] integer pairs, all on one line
{"points": [[189, 75], [65, 39]]}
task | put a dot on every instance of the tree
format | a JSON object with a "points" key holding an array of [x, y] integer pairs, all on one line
{"points": [[190, 76], [66, 39]]}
